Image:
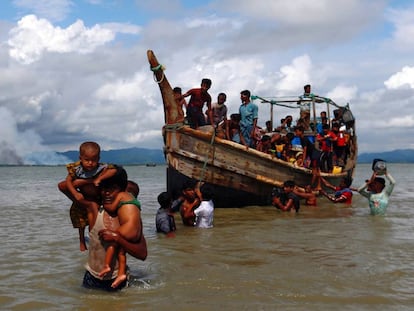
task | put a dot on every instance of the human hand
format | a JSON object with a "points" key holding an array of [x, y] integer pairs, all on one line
{"points": [[97, 182], [78, 196], [108, 235]]}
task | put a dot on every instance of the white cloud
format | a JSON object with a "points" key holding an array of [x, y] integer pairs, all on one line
{"points": [[403, 78], [55, 10], [403, 21], [33, 37]]}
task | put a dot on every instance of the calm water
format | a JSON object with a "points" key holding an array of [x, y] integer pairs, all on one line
{"points": [[255, 258]]}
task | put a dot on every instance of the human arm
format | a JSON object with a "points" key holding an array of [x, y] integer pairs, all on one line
{"points": [[327, 183], [390, 187], [284, 207], [340, 199], [106, 173], [136, 249], [71, 191]]}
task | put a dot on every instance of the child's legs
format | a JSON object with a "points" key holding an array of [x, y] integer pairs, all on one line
{"points": [[110, 252], [121, 261]]}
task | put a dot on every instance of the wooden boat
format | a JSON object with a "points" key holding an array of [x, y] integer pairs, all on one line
{"points": [[240, 176]]}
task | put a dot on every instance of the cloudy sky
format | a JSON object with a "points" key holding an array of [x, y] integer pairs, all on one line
{"points": [[76, 70]]}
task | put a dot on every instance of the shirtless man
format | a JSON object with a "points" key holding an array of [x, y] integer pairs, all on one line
{"points": [[307, 194]]}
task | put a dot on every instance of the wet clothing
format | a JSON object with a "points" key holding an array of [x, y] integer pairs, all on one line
{"points": [[345, 193], [204, 214], [378, 202], [164, 221], [96, 258], [78, 216], [134, 201]]}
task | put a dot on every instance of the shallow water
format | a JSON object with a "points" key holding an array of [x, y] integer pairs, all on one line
{"points": [[328, 257]]}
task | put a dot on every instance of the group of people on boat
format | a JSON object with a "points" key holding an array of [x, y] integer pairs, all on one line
{"points": [[324, 146]]}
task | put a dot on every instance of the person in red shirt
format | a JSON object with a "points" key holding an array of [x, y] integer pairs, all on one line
{"points": [[326, 141], [199, 97], [343, 194]]}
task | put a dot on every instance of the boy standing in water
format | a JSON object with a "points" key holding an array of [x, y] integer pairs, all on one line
{"points": [[91, 172]]}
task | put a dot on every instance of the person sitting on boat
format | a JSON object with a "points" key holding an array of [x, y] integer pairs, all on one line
{"points": [[199, 97], [219, 112], [265, 144], [286, 200], [234, 133], [343, 192], [248, 118]]}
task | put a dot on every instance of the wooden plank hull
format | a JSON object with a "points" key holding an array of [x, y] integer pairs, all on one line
{"points": [[241, 176]]}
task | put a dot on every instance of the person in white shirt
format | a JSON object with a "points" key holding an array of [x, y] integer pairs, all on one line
{"points": [[205, 211]]}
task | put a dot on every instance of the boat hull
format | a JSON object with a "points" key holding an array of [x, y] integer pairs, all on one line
{"points": [[241, 176]]}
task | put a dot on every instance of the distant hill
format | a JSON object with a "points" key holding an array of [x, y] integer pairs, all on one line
{"points": [[130, 156], [395, 156], [140, 156]]}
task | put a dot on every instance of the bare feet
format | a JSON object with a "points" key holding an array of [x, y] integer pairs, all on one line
{"points": [[118, 280], [104, 271]]}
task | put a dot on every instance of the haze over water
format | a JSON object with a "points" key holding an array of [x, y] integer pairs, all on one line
{"points": [[256, 258]]}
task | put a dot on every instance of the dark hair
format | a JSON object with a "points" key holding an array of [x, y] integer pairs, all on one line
{"points": [[246, 93], [189, 184], [207, 192], [235, 116], [89, 145], [289, 183], [325, 126], [177, 90], [265, 138], [133, 188], [164, 199], [120, 179], [298, 128], [206, 82], [222, 94]]}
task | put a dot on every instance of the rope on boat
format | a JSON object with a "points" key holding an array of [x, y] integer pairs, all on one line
{"points": [[174, 126], [203, 171], [157, 68]]}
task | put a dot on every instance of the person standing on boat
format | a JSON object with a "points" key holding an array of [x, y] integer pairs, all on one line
{"points": [[248, 122], [199, 97], [305, 106]]}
